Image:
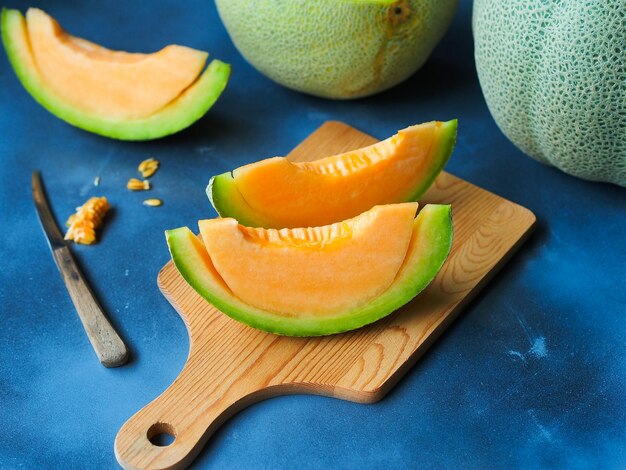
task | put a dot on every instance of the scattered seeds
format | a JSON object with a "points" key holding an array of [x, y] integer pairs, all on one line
{"points": [[88, 217], [153, 202], [148, 167], [96, 181], [137, 185]]}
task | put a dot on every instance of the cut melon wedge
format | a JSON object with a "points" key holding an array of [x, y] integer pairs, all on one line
{"points": [[97, 106], [107, 83], [315, 281], [277, 193], [288, 268]]}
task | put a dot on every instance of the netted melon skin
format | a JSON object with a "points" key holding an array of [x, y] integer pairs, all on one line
{"points": [[336, 48], [554, 77]]}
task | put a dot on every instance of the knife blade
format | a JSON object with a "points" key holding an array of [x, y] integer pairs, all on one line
{"points": [[106, 342]]}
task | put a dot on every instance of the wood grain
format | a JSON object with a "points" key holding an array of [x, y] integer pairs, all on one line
{"points": [[231, 366], [106, 342]]}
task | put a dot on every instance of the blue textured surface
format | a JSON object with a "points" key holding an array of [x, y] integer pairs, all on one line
{"points": [[532, 375]]}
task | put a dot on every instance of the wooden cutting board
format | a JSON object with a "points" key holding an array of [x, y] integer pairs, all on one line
{"points": [[231, 366]]}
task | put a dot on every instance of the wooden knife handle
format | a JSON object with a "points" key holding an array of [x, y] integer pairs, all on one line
{"points": [[107, 344]]}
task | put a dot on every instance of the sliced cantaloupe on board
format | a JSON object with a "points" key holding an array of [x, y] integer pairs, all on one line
{"points": [[282, 270], [176, 112], [278, 193], [101, 83], [315, 281]]}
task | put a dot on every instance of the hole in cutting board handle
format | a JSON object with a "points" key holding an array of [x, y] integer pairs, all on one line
{"points": [[161, 434]]}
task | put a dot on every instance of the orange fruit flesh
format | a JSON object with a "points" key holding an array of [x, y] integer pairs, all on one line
{"points": [[279, 271], [335, 188], [96, 51], [109, 83]]}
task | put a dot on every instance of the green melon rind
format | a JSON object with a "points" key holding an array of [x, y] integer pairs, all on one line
{"points": [[438, 161], [228, 201], [190, 106], [553, 75], [429, 248], [339, 49]]}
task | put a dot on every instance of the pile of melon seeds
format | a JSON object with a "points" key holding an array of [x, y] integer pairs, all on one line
{"points": [[83, 224], [146, 168]]}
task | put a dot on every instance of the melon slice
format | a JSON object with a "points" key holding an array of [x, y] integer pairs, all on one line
{"points": [[277, 193], [156, 103], [105, 82], [315, 281], [288, 268]]}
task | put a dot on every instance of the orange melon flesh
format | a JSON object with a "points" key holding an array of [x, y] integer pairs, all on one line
{"points": [[429, 246], [280, 271], [96, 51], [109, 83], [286, 194]]}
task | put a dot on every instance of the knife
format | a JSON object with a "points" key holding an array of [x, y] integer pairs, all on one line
{"points": [[107, 344]]}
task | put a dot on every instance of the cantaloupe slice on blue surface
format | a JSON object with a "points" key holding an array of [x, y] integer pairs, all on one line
{"points": [[113, 93]]}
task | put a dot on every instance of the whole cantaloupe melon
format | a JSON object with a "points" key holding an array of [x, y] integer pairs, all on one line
{"points": [[553, 73], [336, 48]]}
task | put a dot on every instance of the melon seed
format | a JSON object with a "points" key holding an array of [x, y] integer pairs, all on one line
{"points": [[137, 185], [88, 217], [154, 202], [148, 167]]}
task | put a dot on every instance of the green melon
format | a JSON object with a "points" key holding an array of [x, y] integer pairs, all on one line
{"points": [[337, 48], [554, 77]]}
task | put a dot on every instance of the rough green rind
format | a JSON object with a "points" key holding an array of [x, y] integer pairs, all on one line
{"points": [[554, 78], [430, 246], [229, 202], [190, 106], [336, 49]]}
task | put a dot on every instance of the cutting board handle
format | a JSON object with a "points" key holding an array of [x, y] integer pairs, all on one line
{"points": [[184, 412]]}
